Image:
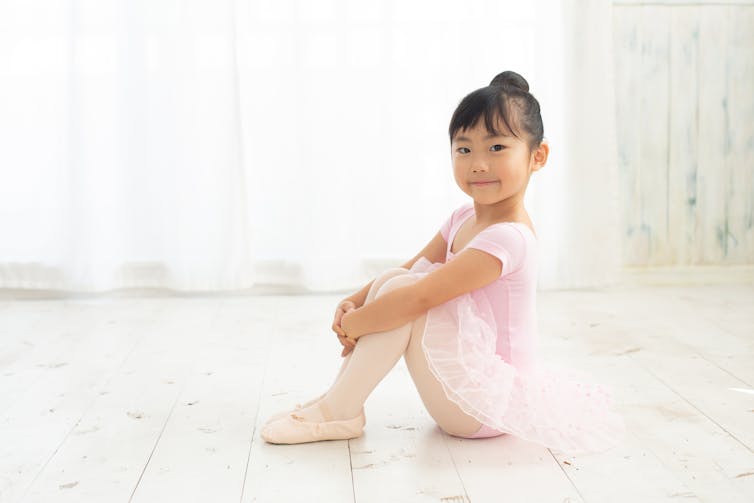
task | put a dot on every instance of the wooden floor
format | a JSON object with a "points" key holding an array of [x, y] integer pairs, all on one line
{"points": [[161, 399]]}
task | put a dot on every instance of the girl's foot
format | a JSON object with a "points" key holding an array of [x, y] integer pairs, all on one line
{"points": [[299, 406], [323, 410], [296, 429]]}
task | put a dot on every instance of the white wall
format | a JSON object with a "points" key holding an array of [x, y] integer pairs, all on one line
{"points": [[684, 74]]}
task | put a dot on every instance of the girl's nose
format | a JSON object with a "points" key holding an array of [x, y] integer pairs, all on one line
{"points": [[478, 164]]}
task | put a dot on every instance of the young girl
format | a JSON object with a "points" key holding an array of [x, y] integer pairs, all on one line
{"points": [[462, 311]]}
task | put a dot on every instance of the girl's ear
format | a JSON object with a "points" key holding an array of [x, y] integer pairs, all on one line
{"points": [[540, 155]]}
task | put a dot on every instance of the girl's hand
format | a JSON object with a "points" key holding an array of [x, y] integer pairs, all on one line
{"points": [[348, 344], [349, 338]]}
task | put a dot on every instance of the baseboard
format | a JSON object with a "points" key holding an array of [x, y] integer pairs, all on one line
{"points": [[689, 275]]}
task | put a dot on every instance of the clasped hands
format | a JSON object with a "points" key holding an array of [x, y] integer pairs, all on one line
{"points": [[337, 326]]}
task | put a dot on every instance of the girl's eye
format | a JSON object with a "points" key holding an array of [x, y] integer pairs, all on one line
{"points": [[461, 149], [498, 149]]}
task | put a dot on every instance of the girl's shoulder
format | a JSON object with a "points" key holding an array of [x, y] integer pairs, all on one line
{"points": [[468, 205], [463, 209]]}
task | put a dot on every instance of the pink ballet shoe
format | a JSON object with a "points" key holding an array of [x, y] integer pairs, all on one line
{"points": [[299, 406], [292, 429], [277, 416]]}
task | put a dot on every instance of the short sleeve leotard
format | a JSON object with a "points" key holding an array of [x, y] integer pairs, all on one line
{"points": [[482, 347]]}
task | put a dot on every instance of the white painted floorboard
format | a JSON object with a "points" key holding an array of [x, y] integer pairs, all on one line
{"points": [[154, 399]]}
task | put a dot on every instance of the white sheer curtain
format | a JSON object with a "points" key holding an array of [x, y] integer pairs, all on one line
{"points": [[225, 145]]}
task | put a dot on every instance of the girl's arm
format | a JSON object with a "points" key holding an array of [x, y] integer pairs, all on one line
{"points": [[391, 310], [434, 251], [470, 270]]}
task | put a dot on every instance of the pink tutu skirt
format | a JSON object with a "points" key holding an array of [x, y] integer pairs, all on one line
{"points": [[559, 409]]}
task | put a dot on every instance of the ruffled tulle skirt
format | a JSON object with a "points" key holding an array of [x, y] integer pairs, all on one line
{"points": [[556, 407]]}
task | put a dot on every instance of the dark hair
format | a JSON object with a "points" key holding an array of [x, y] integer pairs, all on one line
{"points": [[494, 101]]}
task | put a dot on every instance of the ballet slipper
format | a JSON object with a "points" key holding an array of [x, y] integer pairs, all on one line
{"points": [[298, 406], [293, 429]]}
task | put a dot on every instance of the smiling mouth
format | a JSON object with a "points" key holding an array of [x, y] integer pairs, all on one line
{"points": [[483, 183]]}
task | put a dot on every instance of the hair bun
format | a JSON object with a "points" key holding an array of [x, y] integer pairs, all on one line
{"points": [[509, 78]]}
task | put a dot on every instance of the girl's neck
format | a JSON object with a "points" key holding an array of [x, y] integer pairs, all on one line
{"points": [[502, 211]]}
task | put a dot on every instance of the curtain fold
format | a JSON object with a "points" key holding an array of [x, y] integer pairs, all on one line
{"points": [[219, 146]]}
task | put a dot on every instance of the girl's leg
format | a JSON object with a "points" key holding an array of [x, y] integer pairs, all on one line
{"points": [[446, 413], [371, 359], [376, 285]]}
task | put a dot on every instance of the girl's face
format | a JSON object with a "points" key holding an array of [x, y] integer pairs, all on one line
{"points": [[504, 161]]}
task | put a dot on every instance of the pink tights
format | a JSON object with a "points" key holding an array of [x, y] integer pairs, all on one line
{"points": [[375, 355]]}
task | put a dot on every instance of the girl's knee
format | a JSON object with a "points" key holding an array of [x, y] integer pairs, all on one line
{"points": [[388, 274], [397, 281], [392, 272], [383, 277]]}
